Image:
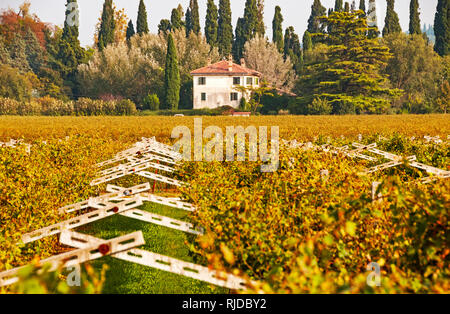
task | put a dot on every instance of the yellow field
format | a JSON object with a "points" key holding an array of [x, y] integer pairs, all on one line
{"points": [[129, 129]]}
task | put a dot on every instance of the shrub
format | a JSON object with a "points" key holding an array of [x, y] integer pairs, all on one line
{"points": [[31, 108], [14, 85], [8, 106], [319, 106], [243, 104], [344, 107], [150, 102], [125, 107], [51, 107]]}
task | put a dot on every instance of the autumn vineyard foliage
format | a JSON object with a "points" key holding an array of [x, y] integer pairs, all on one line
{"points": [[292, 231]]}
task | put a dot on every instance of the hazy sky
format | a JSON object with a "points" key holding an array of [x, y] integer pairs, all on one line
{"points": [[295, 12]]}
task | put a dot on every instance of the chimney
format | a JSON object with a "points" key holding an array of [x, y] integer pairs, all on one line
{"points": [[243, 62], [230, 63], [209, 60]]}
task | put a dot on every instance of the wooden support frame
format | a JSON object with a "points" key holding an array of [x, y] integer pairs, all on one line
{"points": [[163, 221], [109, 210], [165, 263], [89, 251]]}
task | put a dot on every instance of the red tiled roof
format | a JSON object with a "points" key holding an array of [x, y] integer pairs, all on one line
{"points": [[221, 68]]}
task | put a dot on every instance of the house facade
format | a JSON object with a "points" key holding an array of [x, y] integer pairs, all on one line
{"points": [[215, 85]]}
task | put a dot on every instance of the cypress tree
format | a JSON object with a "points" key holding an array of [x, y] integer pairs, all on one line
{"points": [[307, 42], [172, 81], [347, 7], [362, 5], [353, 7], [260, 27], [442, 28], [175, 20], [70, 31], [292, 49], [277, 27], [239, 41], [339, 5], [192, 18], [142, 23], [188, 21], [70, 35], [372, 20], [164, 26], [250, 20], [107, 26], [314, 24], [391, 23], [211, 24], [225, 30], [414, 18], [130, 30]]}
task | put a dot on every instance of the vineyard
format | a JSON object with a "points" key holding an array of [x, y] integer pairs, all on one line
{"points": [[349, 191]]}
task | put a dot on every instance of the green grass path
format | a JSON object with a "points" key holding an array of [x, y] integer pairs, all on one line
{"points": [[125, 277]]}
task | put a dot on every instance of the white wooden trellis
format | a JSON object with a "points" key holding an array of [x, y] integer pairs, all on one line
{"points": [[128, 171], [128, 200], [162, 262], [133, 165], [88, 252], [14, 143], [157, 177], [109, 210], [163, 221], [99, 201]]}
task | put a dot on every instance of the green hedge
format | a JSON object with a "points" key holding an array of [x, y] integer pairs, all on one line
{"points": [[48, 106]]}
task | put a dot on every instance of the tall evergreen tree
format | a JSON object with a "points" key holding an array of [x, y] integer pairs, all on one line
{"points": [[315, 26], [211, 24], [339, 6], [164, 26], [442, 28], [351, 77], [175, 20], [70, 36], [414, 18], [347, 7], [307, 42], [239, 40], [142, 23], [172, 82], [260, 27], [18, 54], [277, 27], [391, 23], [292, 49], [225, 30], [362, 5], [70, 31], [192, 18], [130, 30], [188, 21], [107, 26], [250, 19], [372, 20]]}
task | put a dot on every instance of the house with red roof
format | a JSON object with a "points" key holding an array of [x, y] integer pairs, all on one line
{"points": [[215, 85]]}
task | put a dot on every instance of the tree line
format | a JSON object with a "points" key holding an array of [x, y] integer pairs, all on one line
{"points": [[339, 65]]}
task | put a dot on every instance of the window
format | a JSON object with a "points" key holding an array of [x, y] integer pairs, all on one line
{"points": [[249, 81], [203, 96], [236, 81], [234, 96], [202, 81], [256, 81]]}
